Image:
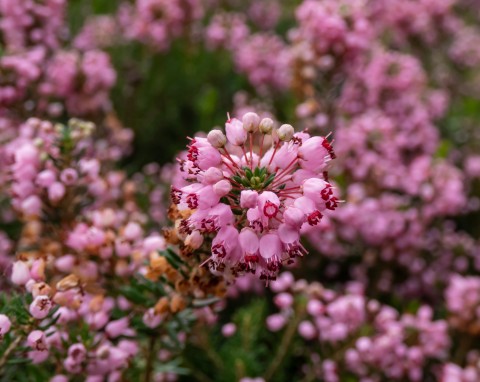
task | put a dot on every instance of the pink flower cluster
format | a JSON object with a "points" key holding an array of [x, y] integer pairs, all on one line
{"points": [[383, 115], [40, 74], [365, 338], [158, 22], [463, 302], [30, 22], [87, 231], [253, 190], [254, 58]]}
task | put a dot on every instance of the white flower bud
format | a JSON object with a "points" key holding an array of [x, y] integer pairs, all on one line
{"points": [[250, 122], [285, 133], [266, 126], [216, 138]]}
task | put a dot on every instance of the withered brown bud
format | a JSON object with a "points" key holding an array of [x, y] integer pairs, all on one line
{"points": [[161, 306], [177, 304], [69, 282]]}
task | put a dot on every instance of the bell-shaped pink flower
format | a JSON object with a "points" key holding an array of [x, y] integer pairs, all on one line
{"points": [[294, 217], [270, 246], [313, 154], [269, 204], [250, 244], [40, 307], [313, 189], [236, 134], [226, 241], [37, 340], [288, 234]]}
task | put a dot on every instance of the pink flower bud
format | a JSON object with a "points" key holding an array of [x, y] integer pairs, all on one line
{"points": [[313, 153], [212, 175], [69, 176], [229, 329], [32, 206], [40, 307], [248, 198], [276, 322], [216, 138], [194, 240], [269, 204], [285, 133], [222, 188], [250, 122], [5, 325], [307, 330], [154, 243], [118, 328], [46, 178], [56, 192], [315, 308], [266, 126], [132, 231], [37, 270], [283, 300], [20, 273], [65, 263]]}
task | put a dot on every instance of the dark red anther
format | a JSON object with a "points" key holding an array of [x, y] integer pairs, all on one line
{"points": [[270, 210], [192, 201], [314, 218], [219, 251], [175, 195]]}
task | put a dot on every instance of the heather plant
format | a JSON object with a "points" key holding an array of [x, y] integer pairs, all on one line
{"points": [[340, 244]]}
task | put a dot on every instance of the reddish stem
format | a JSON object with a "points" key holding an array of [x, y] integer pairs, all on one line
{"points": [[274, 152]]}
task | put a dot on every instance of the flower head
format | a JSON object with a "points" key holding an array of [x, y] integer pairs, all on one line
{"points": [[252, 190]]}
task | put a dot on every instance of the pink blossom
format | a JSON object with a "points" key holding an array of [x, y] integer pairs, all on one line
{"points": [[20, 273], [261, 189], [5, 325], [229, 329], [40, 307]]}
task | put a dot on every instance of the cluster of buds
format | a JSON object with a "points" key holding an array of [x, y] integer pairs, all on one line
{"points": [[252, 191]]}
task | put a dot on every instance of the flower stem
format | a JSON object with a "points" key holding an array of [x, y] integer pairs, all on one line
{"points": [[150, 358], [285, 344]]}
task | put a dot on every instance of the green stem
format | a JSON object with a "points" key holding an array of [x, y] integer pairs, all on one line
{"points": [[284, 346], [9, 350], [150, 358]]}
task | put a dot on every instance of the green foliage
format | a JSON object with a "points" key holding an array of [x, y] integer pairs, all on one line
{"points": [[244, 354]]}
